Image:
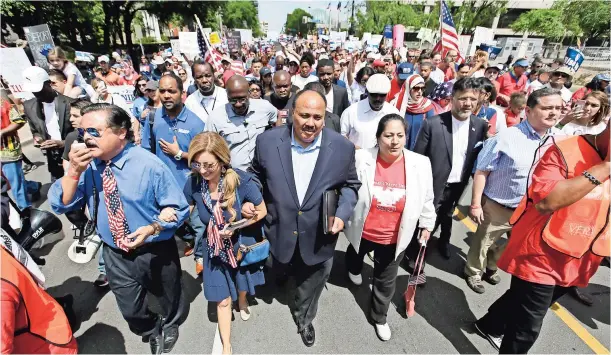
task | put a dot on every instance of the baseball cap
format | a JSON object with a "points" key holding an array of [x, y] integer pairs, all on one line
{"points": [[603, 77], [521, 63], [265, 71], [378, 84], [103, 58], [371, 55], [169, 60], [379, 63], [405, 70], [116, 66], [152, 85], [34, 78], [564, 70], [157, 60]]}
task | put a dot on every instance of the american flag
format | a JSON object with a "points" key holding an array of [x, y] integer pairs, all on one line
{"points": [[449, 37], [238, 67], [209, 54], [223, 248], [117, 222]]}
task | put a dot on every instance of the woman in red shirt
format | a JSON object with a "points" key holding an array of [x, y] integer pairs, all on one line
{"points": [[378, 222]]}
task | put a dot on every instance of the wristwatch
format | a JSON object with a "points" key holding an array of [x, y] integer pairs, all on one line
{"points": [[178, 155]]}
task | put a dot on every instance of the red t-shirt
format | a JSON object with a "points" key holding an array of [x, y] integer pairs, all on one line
{"points": [[511, 118], [527, 256], [508, 85], [387, 204]]}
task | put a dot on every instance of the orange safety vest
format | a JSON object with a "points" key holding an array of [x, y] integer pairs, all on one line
{"points": [[584, 225], [46, 318]]}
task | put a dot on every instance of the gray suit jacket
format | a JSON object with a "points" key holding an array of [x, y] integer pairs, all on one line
{"points": [[36, 117]]}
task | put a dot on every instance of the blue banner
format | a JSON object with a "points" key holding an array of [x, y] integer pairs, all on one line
{"points": [[573, 59], [493, 51], [388, 31]]}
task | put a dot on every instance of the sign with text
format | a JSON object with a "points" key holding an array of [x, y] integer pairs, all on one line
{"points": [[14, 62], [234, 40], [175, 43], [41, 42], [187, 41], [215, 38], [388, 31], [126, 91], [573, 59]]}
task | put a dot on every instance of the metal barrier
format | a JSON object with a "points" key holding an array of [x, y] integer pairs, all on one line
{"points": [[602, 54]]}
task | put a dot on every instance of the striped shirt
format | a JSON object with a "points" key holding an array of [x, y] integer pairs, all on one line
{"points": [[508, 157]]}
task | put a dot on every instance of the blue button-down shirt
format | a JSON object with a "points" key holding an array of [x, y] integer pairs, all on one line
{"points": [[145, 184], [508, 157], [184, 127], [304, 161]]}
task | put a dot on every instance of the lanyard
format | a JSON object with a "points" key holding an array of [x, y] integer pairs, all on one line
{"points": [[213, 103]]}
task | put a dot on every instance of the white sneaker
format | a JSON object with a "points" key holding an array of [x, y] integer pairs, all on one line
{"points": [[383, 331], [356, 279]]}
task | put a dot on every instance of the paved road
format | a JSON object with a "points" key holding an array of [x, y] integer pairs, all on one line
{"points": [[445, 308]]}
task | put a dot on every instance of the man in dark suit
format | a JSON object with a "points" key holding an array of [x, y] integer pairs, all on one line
{"points": [[337, 96], [331, 120], [452, 141], [296, 164], [48, 115]]}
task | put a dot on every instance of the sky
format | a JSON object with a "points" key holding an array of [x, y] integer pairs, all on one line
{"points": [[274, 11]]}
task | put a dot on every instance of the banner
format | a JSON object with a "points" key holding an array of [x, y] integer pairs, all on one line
{"points": [[126, 91], [41, 42], [234, 40], [214, 38], [83, 57], [187, 41], [388, 31], [14, 62], [573, 59], [493, 51]]}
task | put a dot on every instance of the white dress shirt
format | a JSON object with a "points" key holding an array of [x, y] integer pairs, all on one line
{"points": [[329, 97], [359, 122], [304, 162], [203, 106], [460, 140], [52, 120]]}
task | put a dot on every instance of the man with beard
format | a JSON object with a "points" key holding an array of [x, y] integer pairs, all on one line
{"points": [[337, 97], [360, 121], [313, 160], [282, 97], [241, 120], [208, 96], [108, 76], [126, 188]]}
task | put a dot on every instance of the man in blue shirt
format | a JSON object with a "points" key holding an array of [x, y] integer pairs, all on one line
{"points": [[126, 189]]}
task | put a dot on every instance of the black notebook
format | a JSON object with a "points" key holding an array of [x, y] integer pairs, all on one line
{"points": [[329, 207]]}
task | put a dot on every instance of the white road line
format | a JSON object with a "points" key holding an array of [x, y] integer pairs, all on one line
{"points": [[217, 346]]}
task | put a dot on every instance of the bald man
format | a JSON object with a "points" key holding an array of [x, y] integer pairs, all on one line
{"points": [[282, 98], [241, 120], [296, 165]]}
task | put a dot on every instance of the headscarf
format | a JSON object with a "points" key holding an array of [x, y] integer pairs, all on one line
{"points": [[442, 91], [404, 102]]}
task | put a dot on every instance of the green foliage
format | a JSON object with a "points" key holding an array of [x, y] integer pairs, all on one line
{"points": [[542, 22], [473, 13], [242, 14], [592, 17], [381, 13], [294, 22]]}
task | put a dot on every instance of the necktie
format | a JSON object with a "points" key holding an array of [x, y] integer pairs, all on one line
{"points": [[116, 216]]}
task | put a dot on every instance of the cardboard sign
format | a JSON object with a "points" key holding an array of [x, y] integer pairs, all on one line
{"points": [[14, 62], [41, 42], [187, 41], [245, 35], [215, 38], [234, 40], [175, 43], [126, 91], [481, 35]]}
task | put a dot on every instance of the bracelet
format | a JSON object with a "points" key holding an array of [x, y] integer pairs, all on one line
{"points": [[590, 177], [73, 177], [476, 206]]}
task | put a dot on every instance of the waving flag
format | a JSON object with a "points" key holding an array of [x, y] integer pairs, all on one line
{"points": [[208, 53], [328, 7], [339, 5], [449, 37]]}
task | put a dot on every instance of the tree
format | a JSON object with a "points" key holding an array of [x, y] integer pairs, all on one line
{"points": [[242, 14], [294, 22], [593, 18], [542, 22], [381, 13], [473, 13]]}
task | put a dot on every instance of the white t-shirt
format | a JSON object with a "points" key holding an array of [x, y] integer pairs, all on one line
{"points": [[357, 90], [117, 100], [359, 122], [203, 106], [437, 76], [329, 97], [460, 140], [573, 129], [300, 81], [51, 120], [71, 69]]}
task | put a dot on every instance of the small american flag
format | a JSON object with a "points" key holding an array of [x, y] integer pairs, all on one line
{"points": [[238, 67], [449, 37], [209, 54], [216, 242]]}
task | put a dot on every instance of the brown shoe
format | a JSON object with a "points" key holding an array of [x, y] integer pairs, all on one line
{"points": [[189, 248], [199, 266]]}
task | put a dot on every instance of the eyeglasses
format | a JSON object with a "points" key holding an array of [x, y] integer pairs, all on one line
{"points": [[418, 88], [207, 167], [92, 132], [142, 85], [236, 100]]}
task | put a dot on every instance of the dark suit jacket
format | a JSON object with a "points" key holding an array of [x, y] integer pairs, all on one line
{"points": [[435, 141], [36, 118], [340, 100], [287, 221]]}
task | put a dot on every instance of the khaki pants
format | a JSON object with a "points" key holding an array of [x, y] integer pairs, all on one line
{"points": [[486, 245]]}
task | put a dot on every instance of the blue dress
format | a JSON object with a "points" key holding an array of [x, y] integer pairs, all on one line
{"points": [[221, 280], [414, 122]]}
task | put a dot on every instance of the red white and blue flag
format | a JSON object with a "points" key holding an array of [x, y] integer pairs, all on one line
{"points": [[449, 36], [208, 53]]}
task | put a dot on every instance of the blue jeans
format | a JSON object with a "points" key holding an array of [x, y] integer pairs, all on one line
{"points": [[19, 185], [199, 228]]}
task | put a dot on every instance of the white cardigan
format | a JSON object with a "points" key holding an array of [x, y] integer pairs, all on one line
{"points": [[419, 197]]}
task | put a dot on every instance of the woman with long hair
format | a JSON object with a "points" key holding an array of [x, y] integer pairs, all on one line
{"points": [[140, 101], [219, 191], [75, 83], [255, 89], [594, 117], [413, 106], [358, 85], [598, 83]]}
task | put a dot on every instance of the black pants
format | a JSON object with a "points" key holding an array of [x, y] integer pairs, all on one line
{"points": [[310, 281], [385, 269], [518, 314], [445, 209], [54, 163], [154, 268]]}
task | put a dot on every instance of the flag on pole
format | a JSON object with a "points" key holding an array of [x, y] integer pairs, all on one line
{"points": [[328, 7], [339, 5], [449, 37], [206, 51]]}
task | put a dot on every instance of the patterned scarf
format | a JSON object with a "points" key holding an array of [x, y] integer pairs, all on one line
{"points": [[217, 246], [404, 102]]}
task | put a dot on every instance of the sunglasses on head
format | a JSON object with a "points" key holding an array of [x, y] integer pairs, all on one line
{"points": [[92, 132]]}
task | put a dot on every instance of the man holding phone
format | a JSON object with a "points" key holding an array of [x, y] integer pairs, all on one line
{"points": [[48, 114]]}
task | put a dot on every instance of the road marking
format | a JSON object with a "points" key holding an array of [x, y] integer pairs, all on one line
{"points": [[217, 345], [560, 311]]}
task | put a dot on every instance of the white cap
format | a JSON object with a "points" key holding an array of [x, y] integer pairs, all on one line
{"points": [[103, 58], [116, 55], [323, 56], [378, 84], [157, 60], [371, 55], [34, 78]]}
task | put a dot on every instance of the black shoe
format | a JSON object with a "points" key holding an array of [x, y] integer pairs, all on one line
{"points": [[444, 249], [495, 341], [101, 281], [36, 195], [155, 341], [493, 277], [170, 336], [308, 335], [581, 297]]}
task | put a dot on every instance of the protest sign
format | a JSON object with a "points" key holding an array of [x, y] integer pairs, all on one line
{"points": [[175, 43], [366, 37], [215, 38], [234, 40], [398, 36], [493, 51], [245, 35], [573, 59], [14, 62], [126, 91], [41, 42], [83, 56], [481, 35], [187, 41], [388, 31]]}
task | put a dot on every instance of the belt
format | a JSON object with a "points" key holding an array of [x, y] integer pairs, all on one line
{"points": [[502, 205]]}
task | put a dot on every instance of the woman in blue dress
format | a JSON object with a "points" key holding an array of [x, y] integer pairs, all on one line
{"points": [[414, 107], [219, 192]]}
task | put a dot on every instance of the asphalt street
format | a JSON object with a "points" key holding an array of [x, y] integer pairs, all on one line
{"points": [[445, 307]]}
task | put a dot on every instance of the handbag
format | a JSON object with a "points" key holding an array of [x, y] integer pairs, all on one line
{"points": [[412, 283], [251, 254]]}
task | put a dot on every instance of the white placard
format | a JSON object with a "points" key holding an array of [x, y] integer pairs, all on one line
{"points": [[175, 43], [126, 91], [366, 37], [14, 62], [245, 35], [481, 35], [463, 43], [188, 42]]}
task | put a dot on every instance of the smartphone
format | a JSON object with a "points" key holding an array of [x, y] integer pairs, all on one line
{"points": [[77, 146], [580, 103]]}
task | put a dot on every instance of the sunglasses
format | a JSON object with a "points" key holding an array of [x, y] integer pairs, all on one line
{"points": [[419, 88], [254, 90], [562, 75], [91, 131], [207, 167], [377, 95]]}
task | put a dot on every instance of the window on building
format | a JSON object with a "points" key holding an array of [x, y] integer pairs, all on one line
{"points": [[531, 46]]}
